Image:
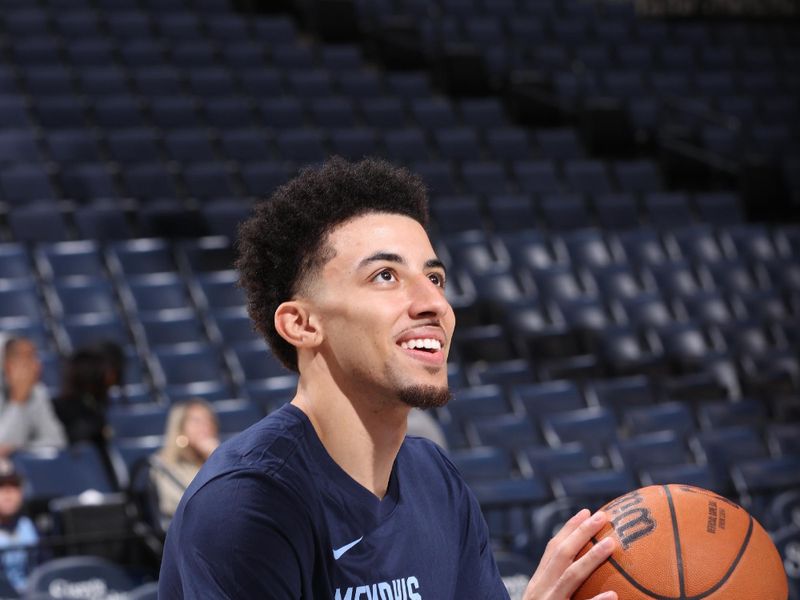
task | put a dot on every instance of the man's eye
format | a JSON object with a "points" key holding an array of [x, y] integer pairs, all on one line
{"points": [[437, 279], [384, 276]]}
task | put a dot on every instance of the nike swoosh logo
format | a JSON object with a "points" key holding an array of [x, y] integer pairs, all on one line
{"points": [[339, 552]]}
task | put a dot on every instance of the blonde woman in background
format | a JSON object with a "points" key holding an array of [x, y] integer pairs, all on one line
{"points": [[191, 436]]}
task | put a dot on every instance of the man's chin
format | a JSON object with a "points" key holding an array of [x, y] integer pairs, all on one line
{"points": [[425, 396]]}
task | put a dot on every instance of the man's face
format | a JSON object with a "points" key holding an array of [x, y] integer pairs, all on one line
{"points": [[10, 499], [387, 324], [21, 353]]}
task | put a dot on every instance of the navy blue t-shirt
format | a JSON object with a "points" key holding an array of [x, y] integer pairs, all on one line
{"points": [[271, 515]]}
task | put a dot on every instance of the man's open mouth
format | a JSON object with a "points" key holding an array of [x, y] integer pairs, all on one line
{"points": [[429, 345]]}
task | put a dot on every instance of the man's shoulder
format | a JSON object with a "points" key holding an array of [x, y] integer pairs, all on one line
{"points": [[271, 451]]}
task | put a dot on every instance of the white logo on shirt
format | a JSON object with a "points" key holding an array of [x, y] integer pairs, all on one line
{"points": [[339, 552]]}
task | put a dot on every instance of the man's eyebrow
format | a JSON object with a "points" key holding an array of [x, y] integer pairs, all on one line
{"points": [[433, 263], [382, 256]]}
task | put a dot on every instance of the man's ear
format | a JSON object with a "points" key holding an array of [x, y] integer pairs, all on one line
{"points": [[297, 325]]}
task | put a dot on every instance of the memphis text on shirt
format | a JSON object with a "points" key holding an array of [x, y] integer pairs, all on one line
{"points": [[405, 588]]}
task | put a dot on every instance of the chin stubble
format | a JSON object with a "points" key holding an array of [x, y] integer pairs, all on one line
{"points": [[424, 396]]}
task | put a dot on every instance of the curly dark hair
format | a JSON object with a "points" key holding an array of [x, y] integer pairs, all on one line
{"points": [[284, 241]]}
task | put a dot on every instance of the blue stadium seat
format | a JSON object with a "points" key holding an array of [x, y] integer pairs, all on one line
{"points": [[87, 329], [149, 181], [483, 462], [189, 145], [236, 415], [158, 81], [15, 262], [266, 85], [537, 176], [642, 452], [383, 112], [129, 24], [587, 176], [103, 221], [52, 84], [13, 112], [456, 214], [722, 448], [245, 144], [510, 431], [141, 52], [23, 183], [18, 145], [509, 143], [222, 217], [638, 176], [595, 486], [189, 370], [722, 414], [137, 421], [51, 473], [484, 177], [595, 428], [219, 290], [175, 112], [620, 394], [687, 474], [235, 326], [131, 146], [77, 572], [100, 81], [18, 299], [511, 212], [228, 112], [83, 295], [156, 292], [211, 82], [188, 54], [176, 327], [89, 181], [209, 180], [301, 145], [118, 112], [72, 145], [354, 143], [38, 222], [541, 399], [405, 144], [140, 256]]}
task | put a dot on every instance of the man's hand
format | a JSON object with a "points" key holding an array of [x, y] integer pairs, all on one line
{"points": [[559, 574]]}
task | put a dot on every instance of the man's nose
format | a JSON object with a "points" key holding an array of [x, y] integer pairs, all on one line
{"points": [[427, 299]]}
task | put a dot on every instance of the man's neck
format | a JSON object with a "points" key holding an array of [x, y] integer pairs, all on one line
{"points": [[363, 435]]}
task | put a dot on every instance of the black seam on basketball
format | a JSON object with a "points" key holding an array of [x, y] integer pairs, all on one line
{"points": [[635, 583], [705, 594], [733, 566], [676, 536]]}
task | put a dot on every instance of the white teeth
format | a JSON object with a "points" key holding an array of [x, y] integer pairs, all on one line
{"points": [[427, 343]]}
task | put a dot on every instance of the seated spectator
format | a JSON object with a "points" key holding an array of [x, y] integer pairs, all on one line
{"points": [[190, 438], [83, 399], [16, 530], [26, 416]]}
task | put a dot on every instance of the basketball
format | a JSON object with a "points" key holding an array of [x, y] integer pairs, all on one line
{"points": [[682, 542]]}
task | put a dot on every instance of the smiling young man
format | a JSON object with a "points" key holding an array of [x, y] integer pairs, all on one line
{"points": [[327, 498]]}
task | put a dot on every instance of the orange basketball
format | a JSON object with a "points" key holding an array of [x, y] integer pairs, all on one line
{"points": [[677, 542]]}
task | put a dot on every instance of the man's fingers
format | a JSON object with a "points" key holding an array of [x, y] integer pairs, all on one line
{"points": [[578, 571], [566, 530]]}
